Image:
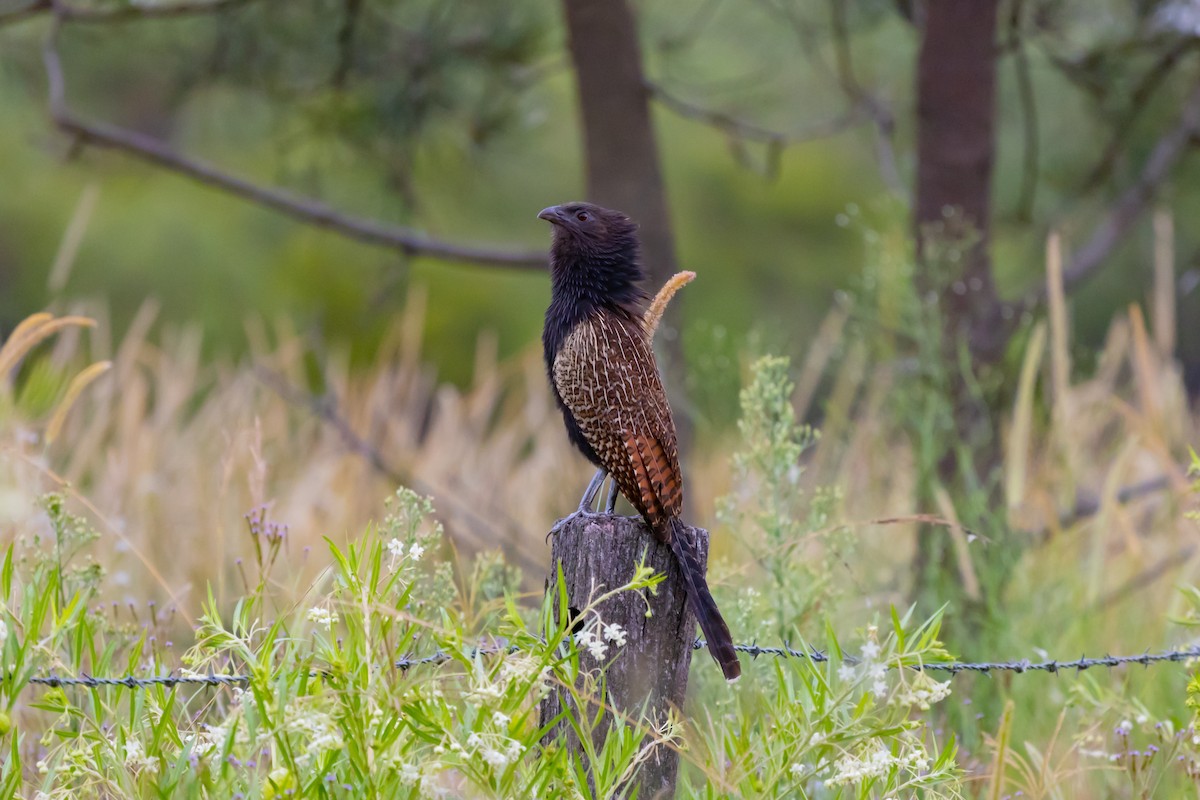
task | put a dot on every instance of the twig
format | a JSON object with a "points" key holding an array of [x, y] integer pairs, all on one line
{"points": [[345, 42], [1134, 200], [742, 129], [1147, 577], [326, 410], [25, 12], [312, 212], [876, 109], [1089, 506], [1130, 205], [121, 13], [1139, 100]]}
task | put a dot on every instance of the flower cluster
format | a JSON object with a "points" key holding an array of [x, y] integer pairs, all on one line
{"points": [[398, 552], [322, 616], [497, 750], [877, 762], [870, 667], [595, 644], [135, 757], [923, 692], [316, 733]]}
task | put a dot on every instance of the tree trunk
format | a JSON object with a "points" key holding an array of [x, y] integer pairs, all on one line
{"points": [[956, 142], [621, 154], [651, 669]]}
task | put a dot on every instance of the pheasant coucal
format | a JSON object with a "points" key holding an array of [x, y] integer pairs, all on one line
{"points": [[605, 378]]}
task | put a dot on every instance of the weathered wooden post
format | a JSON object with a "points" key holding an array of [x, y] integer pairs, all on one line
{"points": [[651, 669]]}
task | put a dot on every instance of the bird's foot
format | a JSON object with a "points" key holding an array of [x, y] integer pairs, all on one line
{"points": [[585, 513]]}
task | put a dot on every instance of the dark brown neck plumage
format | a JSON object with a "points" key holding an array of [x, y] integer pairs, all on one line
{"points": [[586, 278]]}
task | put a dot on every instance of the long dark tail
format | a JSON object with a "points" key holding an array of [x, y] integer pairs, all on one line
{"points": [[716, 632]]}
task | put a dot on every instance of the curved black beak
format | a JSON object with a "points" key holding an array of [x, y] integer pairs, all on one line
{"points": [[552, 214]]}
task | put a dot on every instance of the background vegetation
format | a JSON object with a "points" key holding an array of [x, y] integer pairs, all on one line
{"points": [[189, 466]]}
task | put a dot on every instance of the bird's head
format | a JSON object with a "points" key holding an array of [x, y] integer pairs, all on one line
{"points": [[596, 249], [587, 221]]}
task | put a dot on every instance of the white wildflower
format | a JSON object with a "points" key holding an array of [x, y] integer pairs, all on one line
{"points": [[319, 733], [853, 769], [541, 686], [847, 672], [409, 773], [870, 651], [517, 668], [877, 670], [923, 692], [495, 758], [485, 692], [500, 720], [1125, 726], [416, 551], [136, 758], [474, 740], [396, 548], [879, 688], [597, 648], [615, 634], [797, 770], [593, 643], [1088, 752], [204, 742], [514, 749], [322, 616]]}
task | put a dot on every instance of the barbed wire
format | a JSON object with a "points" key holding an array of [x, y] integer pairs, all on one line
{"points": [[1016, 666]]}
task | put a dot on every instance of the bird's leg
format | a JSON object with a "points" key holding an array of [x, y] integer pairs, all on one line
{"points": [[589, 494], [610, 505], [585, 505]]}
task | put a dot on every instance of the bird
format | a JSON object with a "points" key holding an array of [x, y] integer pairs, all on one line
{"points": [[606, 382]]}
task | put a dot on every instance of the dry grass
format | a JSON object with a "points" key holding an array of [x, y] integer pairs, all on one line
{"points": [[171, 452]]}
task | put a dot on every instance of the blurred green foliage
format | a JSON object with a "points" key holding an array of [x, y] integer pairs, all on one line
{"points": [[458, 119]]}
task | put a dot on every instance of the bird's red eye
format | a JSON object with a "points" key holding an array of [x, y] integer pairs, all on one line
{"points": [[582, 216]]}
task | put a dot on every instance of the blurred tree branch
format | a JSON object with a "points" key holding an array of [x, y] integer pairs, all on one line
{"points": [[119, 13], [1131, 203], [742, 130], [485, 532], [863, 106], [307, 210], [876, 109], [1139, 99], [345, 38]]}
